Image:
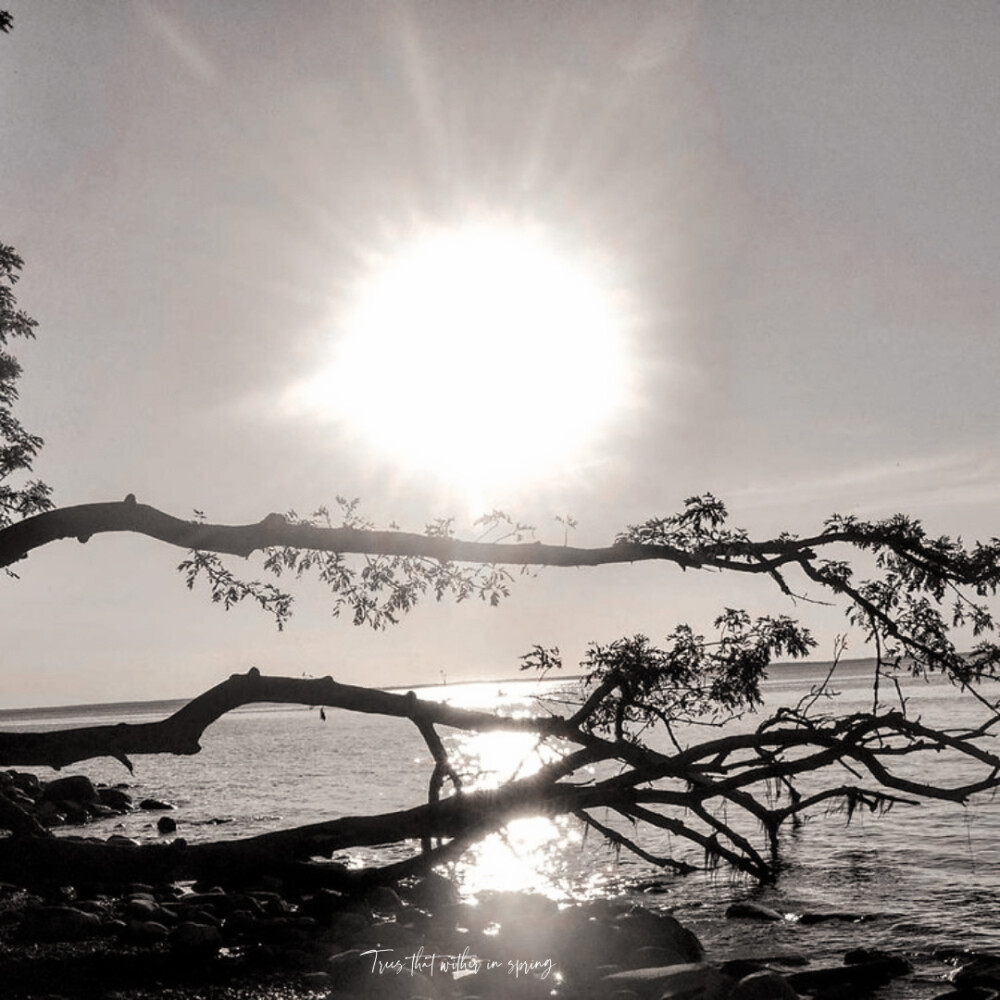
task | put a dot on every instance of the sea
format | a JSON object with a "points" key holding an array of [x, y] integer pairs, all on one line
{"points": [[926, 877]]}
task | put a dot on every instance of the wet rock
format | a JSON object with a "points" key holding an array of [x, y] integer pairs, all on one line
{"points": [[143, 908], [747, 910], [822, 918], [763, 985], [19, 797], [384, 900], [644, 928], [866, 975], [145, 932], [387, 935], [272, 903], [347, 926], [432, 892], [324, 904], [651, 956], [351, 970], [28, 783], [692, 981], [75, 788], [201, 915], [75, 813], [58, 923], [115, 798], [49, 814], [969, 993], [240, 924], [97, 810], [152, 804], [193, 940], [166, 824], [220, 902], [984, 971], [860, 955]]}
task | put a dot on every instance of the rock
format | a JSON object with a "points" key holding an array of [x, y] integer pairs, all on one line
{"points": [[115, 799], [324, 904], [27, 783], [432, 892], [141, 908], [58, 923], [270, 902], [387, 935], [969, 993], [644, 928], [752, 911], [220, 902], [384, 900], [240, 923], [821, 918], [154, 804], [74, 812], [984, 971], [740, 968], [351, 970], [145, 932], [201, 915], [691, 981], [75, 788], [651, 957], [860, 955], [49, 814], [866, 975], [763, 985], [196, 940], [347, 926], [22, 799], [166, 824], [98, 810]]}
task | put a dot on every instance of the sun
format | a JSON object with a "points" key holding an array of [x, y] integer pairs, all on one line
{"points": [[485, 355]]}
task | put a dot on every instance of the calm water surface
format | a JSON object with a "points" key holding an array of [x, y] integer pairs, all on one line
{"points": [[931, 873]]}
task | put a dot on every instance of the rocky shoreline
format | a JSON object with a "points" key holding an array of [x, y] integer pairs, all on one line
{"points": [[415, 940]]}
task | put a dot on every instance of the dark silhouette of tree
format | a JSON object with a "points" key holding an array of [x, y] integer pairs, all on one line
{"points": [[728, 794], [922, 605]]}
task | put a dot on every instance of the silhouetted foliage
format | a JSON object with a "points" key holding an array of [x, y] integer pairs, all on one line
{"points": [[19, 498]]}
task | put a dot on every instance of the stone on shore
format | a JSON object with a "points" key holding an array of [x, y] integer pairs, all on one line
{"points": [[763, 985], [861, 975], [748, 910], [980, 972], [195, 940], [75, 788], [153, 804], [690, 981], [58, 923]]}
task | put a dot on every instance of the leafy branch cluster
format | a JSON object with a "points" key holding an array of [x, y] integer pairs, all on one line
{"points": [[631, 685], [376, 590], [18, 448], [927, 595]]}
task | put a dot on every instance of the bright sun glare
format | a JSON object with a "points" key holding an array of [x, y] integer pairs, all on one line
{"points": [[483, 355]]}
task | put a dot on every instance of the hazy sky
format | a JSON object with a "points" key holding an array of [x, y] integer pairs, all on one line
{"points": [[796, 208]]}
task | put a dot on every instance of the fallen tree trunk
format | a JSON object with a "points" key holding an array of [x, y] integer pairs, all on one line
{"points": [[696, 793], [181, 732], [288, 854]]}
